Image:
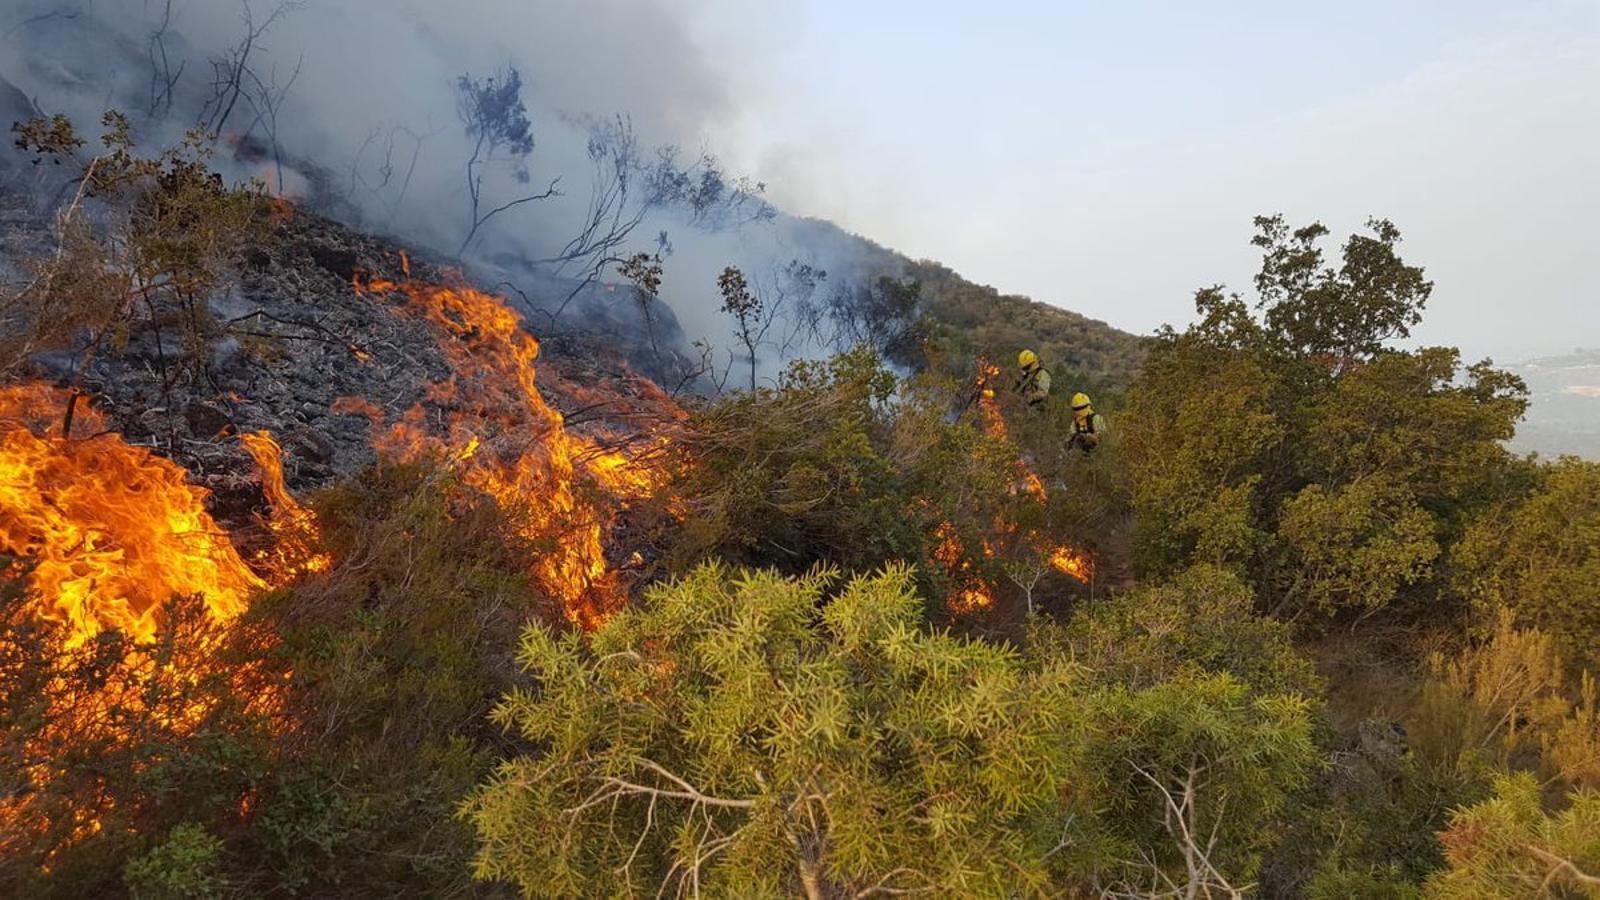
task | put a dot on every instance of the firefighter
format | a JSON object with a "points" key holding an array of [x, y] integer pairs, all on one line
{"points": [[1033, 380], [1088, 426]]}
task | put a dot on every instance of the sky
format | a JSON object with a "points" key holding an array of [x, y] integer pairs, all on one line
{"points": [[1104, 157], [1108, 157]]}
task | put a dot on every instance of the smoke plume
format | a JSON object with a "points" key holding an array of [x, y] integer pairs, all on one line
{"points": [[351, 108]]}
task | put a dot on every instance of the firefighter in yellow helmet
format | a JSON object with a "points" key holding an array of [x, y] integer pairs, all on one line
{"points": [[1088, 426], [1033, 380]]}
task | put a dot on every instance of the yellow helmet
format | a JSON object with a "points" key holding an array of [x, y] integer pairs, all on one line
{"points": [[1027, 358], [1080, 402]]}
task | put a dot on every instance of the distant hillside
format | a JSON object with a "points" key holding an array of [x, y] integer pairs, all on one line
{"points": [[1565, 416], [974, 320], [978, 320]]}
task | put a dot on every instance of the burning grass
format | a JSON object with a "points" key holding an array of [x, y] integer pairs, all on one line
{"points": [[490, 418]]}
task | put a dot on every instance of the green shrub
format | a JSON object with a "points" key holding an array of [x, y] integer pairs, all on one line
{"points": [[1540, 558], [750, 733], [185, 865], [1510, 845], [1204, 619]]}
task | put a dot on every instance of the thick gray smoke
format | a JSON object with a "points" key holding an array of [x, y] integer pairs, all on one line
{"points": [[351, 107]]}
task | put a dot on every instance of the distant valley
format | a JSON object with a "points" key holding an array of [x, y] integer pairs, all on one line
{"points": [[1565, 416]]}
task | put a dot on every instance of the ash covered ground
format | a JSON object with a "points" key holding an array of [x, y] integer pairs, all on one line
{"points": [[297, 343]]}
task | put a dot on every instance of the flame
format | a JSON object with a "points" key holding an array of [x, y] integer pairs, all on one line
{"points": [[491, 419], [106, 534], [294, 526], [113, 530], [972, 592], [1070, 562]]}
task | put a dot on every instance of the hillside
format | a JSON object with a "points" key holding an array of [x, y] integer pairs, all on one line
{"points": [[518, 508], [973, 321], [977, 320], [1565, 416]]}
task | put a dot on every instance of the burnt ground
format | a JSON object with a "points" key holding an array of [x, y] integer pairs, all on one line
{"points": [[294, 338]]}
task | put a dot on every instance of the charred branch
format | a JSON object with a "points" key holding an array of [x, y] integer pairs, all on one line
{"points": [[163, 78], [231, 70]]}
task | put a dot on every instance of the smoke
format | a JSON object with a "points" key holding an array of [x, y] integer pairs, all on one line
{"points": [[352, 109]]}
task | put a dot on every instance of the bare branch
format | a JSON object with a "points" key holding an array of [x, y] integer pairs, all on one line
{"points": [[480, 221], [1563, 866]]}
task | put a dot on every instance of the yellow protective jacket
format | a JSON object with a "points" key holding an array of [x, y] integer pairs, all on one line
{"points": [[1088, 427], [1033, 385]]}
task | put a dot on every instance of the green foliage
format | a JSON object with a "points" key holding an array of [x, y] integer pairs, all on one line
{"points": [[1355, 547], [843, 464], [1422, 422], [1349, 312], [1201, 621], [185, 865], [1375, 827], [1511, 846], [1540, 558], [1202, 429], [1207, 712], [1213, 763], [748, 310], [164, 236], [1500, 706], [1335, 883], [739, 732], [746, 733], [840, 463], [1507, 703], [1301, 451], [395, 634], [392, 659]]}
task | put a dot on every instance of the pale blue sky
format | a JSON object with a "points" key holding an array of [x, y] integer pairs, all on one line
{"points": [[1108, 156]]}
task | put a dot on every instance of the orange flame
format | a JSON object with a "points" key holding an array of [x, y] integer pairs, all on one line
{"points": [[106, 533], [972, 592], [1070, 562], [114, 531], [294, 526], [511, 444]]}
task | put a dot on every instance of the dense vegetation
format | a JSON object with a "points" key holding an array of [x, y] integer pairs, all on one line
{"points": [[961, 322], [1323, 635], [970, 321]]}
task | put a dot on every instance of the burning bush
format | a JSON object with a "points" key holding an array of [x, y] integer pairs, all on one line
{"points": [[108, 739], [844, 463], [490, 418], [323, 737]]}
